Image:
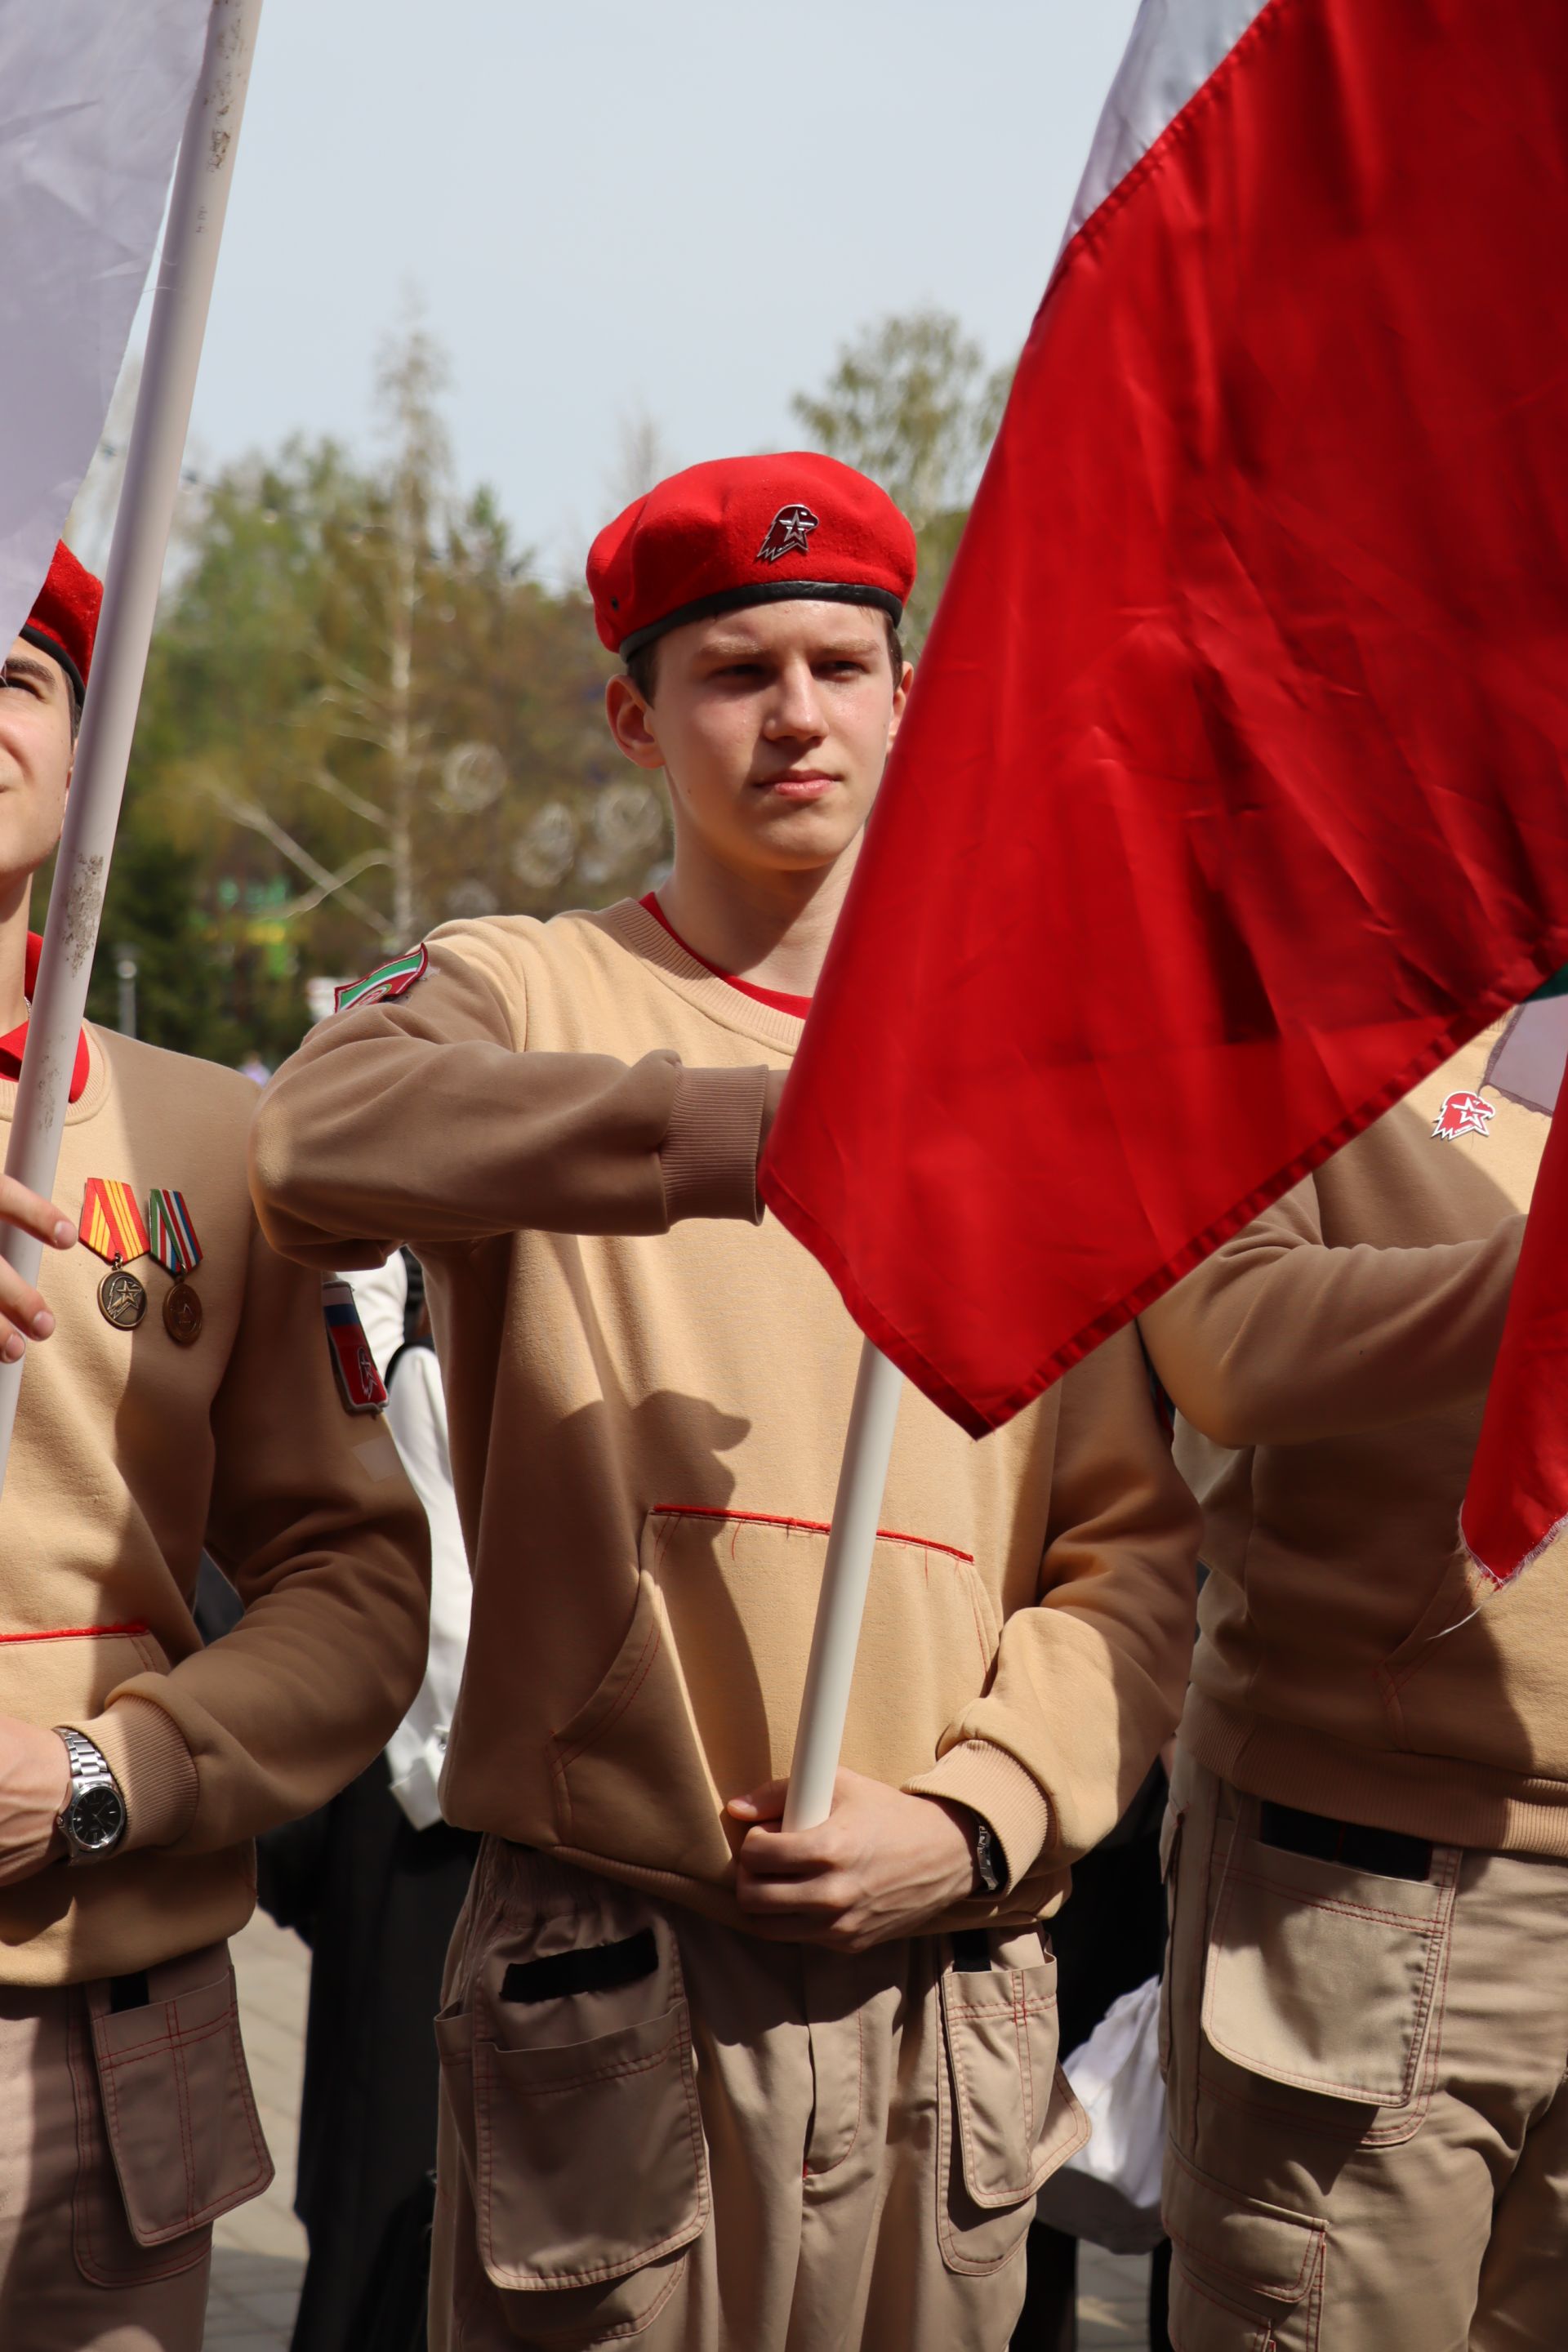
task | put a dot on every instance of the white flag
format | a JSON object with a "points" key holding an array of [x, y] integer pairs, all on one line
{"points": [[93, 97]]}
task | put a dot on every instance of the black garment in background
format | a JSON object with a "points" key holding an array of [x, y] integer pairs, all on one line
{"points": [[1109, 1938], [376, 1900]]}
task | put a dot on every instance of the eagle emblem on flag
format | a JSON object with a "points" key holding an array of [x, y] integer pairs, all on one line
{"points": [[1464, 1114]]}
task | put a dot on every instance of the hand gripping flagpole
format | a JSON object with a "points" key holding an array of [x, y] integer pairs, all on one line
{"points": [[203, 177], [835, 1637]]}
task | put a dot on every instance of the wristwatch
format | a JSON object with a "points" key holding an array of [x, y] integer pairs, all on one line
{"points": [[990, 1863], [92, 1821]]}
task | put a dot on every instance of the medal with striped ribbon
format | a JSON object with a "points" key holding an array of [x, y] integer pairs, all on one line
{"points": [[175, 1245], [111, 1228]]}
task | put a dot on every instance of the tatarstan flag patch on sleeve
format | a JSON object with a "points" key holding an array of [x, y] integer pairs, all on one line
{"points": [[394, 978]]}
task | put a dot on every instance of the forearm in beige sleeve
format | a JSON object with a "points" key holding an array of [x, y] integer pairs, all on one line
{"points": [[1279, 1338], [1089, 1682], [427, 1120]]}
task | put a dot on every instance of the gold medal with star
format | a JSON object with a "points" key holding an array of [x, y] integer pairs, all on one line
{"points": [[113, 1229]]}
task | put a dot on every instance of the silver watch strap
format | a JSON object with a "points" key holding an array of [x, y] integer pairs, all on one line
{"points": [[90, 1772]]}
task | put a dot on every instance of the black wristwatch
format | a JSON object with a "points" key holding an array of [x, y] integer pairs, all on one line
{"points": [[990, 1861], [92, 1820]]}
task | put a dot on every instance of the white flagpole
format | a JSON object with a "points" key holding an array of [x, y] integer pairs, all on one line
{"points": [[835, 1637], [203, 177]]}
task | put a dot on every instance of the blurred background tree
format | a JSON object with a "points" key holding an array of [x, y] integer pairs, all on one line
{"points": [[367, 712], [912, 403]]}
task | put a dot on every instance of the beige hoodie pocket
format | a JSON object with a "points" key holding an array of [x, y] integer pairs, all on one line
{"points": [[586, 2156], [62, 1677], [702, 1700], [1323, 1977], [177, 2107], [1006, 2114]]}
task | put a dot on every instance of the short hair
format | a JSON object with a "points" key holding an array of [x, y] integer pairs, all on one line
{"points": [[642, 666]]}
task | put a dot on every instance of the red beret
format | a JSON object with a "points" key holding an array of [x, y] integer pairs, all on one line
{"points": [[64, 618], [748, 530]]}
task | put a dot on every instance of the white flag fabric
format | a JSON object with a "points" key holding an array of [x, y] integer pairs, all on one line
{"points": [[92, 101]]}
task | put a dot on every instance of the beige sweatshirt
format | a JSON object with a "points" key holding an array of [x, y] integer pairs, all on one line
{"points": [[1331, 1365], [648, 1398], [130, 1452]]}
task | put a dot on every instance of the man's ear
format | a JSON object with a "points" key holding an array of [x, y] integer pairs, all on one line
{"points": [[631, 723], [900, 698]]}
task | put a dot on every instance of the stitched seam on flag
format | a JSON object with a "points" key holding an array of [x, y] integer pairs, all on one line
{"points": [[1497, 1578], [809, 1526], [1514, 986], [77, 1633], [1179, 128]]}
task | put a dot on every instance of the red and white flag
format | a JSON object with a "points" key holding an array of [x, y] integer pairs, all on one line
{"points": [[1232, 795], [92, 101]]}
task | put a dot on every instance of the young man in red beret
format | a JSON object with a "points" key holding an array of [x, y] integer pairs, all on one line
{"points": [[179, 1395], [708, 2086]]}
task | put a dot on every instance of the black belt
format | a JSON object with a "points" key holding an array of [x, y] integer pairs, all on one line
{"points": [[1387, 1853]]}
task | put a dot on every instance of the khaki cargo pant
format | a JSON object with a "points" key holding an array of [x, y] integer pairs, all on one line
{"points": [[656, 2131], [123, 2133], [1368, 2120]]}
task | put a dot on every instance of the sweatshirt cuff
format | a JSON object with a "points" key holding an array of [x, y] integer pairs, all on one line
{"points": [[992, 1784], [711, 1146], [152, 1768]]}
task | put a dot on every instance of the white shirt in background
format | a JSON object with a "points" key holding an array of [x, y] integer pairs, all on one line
{"points": [[416, 1416]]}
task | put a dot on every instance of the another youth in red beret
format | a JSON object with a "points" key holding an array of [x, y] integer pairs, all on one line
{"points": [[756, 602], [565, 1118], [42, 680]]}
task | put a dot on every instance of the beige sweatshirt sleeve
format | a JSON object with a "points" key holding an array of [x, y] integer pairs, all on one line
{"points": [[314, 1522], [425, 1119], [1089, 1682], [1278, 1340]]}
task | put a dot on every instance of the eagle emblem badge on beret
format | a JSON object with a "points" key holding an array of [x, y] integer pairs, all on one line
{"points": [[789, 534]]}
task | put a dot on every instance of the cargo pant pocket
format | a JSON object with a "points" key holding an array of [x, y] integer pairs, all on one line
{"points": [[1327, 1979], [585, 2164], [1245, 2276], [166, 2121], [1006, 2114]]}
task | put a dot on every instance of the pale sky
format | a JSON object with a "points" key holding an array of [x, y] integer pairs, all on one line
{"points": [[613, 208]]}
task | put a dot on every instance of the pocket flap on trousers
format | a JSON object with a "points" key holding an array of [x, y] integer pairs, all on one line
{"points": [[1018, 2118], [1257, 2246], [591, 2157], [1324, 1977], [177, 2109]]}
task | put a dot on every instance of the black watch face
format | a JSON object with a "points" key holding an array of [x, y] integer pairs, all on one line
{"points": [[97, 1818]]}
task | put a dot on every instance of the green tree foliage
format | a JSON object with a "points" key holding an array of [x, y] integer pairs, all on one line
{"points": [[912, 403], [363, 714]]}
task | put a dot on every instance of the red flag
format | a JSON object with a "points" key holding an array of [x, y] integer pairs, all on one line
{"points": [[1231, 798]]}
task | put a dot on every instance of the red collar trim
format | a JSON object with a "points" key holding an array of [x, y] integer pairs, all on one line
{"points": [[13, 1045], [799, 1006]]}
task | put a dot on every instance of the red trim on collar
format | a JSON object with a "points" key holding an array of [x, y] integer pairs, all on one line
{"points": [[799, 1006], [13, 1045]]}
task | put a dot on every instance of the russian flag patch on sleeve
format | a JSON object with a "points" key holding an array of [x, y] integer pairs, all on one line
{"points": [[393, 979], [359, 1382]]}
